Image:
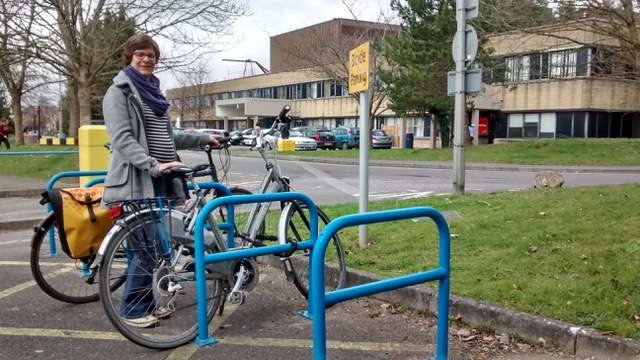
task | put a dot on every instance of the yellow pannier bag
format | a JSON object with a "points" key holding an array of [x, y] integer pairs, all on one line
{"points": [[81, 222]]}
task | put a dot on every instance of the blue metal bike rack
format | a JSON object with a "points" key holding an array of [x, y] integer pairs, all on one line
{"points": [[318, 299], [201, 259]]}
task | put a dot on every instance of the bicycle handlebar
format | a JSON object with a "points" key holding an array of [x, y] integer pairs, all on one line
{"points": [[282, 117]]}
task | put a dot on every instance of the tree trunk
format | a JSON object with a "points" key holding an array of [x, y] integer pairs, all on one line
{"points": [[84, 102], [17, 118], [74, 110]]}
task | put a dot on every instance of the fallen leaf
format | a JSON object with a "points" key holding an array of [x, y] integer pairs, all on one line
{"points": [[463, 332]]}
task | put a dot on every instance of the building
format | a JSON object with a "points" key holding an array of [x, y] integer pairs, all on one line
{"points": [[548, 88], [305, 73], [554, 84]]}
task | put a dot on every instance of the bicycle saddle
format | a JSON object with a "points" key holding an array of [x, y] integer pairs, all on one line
{"points": [[183, 170]]}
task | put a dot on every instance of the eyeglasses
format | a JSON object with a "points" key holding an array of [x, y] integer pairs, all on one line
{"points": [[141, 55]]}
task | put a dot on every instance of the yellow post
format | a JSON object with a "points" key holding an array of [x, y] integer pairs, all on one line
{"points": [[286, 145], [91, 151]]}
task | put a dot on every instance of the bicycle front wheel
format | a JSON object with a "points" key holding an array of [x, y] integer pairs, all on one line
{"points": [[295, 222], [58, 275], [157, 307]]}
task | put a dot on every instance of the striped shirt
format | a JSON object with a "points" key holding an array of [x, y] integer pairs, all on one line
{"points": [[160, 144]]}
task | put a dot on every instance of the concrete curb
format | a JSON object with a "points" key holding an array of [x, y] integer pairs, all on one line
{"points": [[20, 224], [21, 193], [572, 339]]}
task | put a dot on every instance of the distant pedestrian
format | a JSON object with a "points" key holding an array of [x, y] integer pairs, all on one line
{"points": [[4, 133], [472, 132]]}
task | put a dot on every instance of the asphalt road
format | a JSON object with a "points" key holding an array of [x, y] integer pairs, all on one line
{"points": [[335, 183], [266, 326]]}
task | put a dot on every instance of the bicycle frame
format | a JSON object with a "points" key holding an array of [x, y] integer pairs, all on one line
{"points": [[272, 182]]}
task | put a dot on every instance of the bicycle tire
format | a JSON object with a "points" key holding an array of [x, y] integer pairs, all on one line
{"points": [[296, 217], [60, 276], [182, 325], [241, 216]]}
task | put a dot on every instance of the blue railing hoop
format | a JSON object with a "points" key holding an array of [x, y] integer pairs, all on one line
{"points": [[203, 337], [318, 299]]}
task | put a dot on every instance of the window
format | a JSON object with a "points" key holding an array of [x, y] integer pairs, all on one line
{"points": [[295, 91], [535, 66], [312, 90], [336, 88], [518, 68], [616, 125], [282, 92], [547, 125], [427, 126], [578, 124], [564, 125], [531, 126], [603, 126], [515, 126]]}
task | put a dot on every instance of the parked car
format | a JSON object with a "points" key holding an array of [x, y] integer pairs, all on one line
{"points": [[213, 131], [381, 140], [324, 138], [301, 142], [346, 137], [242, 133]]}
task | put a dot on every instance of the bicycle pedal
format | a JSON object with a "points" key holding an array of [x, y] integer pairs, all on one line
{"points": [[237, 297]]}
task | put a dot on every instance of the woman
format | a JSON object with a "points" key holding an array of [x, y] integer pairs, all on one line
{"points": [[142, 147]]}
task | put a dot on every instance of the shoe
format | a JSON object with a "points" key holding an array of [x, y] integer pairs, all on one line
{"points": [[142, 322], [161, 313]]}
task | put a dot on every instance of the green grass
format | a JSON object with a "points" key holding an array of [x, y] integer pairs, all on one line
{"points": [[38, 166], [601, 152], [569, 254]]}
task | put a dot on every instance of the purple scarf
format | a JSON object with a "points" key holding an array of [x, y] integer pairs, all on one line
{"points": [[149, 90]]}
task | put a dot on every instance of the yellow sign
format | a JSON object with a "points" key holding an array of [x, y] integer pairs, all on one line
{"points": [[359, 68]]}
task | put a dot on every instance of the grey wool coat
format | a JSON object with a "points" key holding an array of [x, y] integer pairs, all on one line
{"points": [[130, 166]]}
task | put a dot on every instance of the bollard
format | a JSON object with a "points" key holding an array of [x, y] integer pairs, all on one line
{"points": [[92, 154]]}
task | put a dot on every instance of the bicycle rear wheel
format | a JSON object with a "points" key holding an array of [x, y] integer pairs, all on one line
{"points": [[58, 275], [296, 217], [157, 278]]}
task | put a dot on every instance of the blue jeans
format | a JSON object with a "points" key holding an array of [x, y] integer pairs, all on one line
{"points": [[138, 299]]}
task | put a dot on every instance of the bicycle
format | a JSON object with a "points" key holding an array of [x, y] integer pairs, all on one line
{"points": [[294, 221], [142, 233], [64, 278]]}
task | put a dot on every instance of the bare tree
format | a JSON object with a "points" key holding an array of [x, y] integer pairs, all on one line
{"points": [[608, 27], [71, 39], [14, 63], [323, 51], [192, 90]]}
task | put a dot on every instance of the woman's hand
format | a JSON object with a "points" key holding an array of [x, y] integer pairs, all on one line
{"points": [[166, 166], [213, 139]]}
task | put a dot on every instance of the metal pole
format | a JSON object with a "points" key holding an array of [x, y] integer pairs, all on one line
{"points": [[460, 108], [365, 140]]}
